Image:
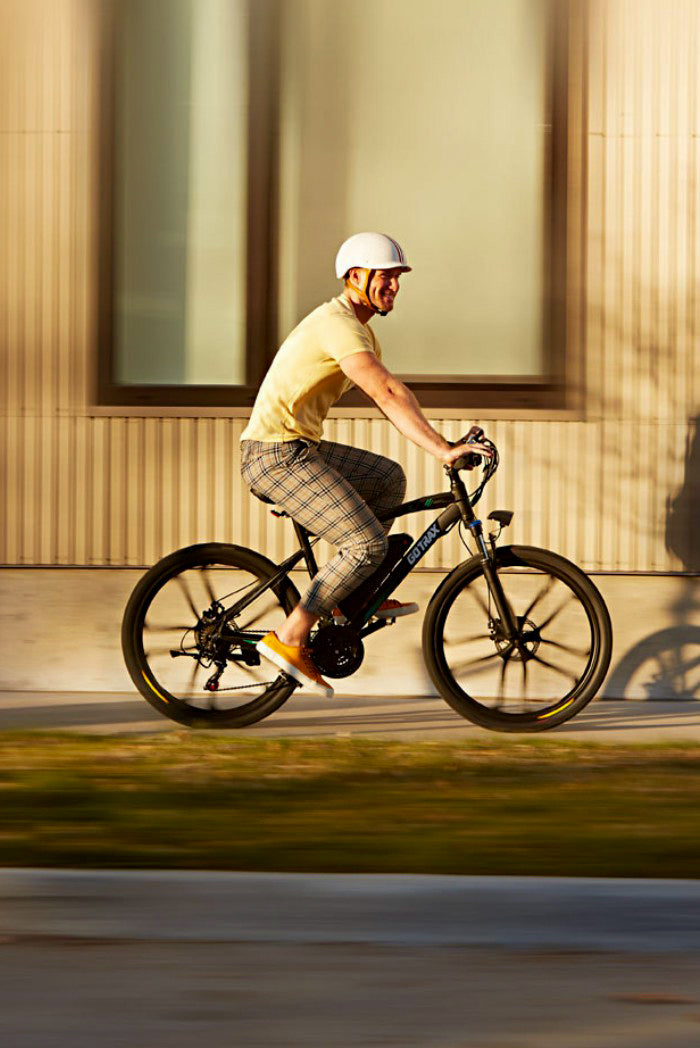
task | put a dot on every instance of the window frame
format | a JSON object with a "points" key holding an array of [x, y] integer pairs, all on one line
{"points": [[556, 389]]}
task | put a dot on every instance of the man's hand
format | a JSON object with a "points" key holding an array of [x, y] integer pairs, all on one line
{"points": [[474, 446]]}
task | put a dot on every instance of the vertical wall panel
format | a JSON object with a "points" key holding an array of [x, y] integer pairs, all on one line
{"points": [[87, 490]]}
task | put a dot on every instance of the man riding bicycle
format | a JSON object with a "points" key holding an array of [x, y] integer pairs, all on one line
{"points": [[335, 491]]}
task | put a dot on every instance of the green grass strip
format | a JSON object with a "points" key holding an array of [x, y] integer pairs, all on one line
{"points": [[499, 806]]}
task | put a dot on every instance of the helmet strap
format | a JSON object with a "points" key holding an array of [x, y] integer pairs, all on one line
{"points": [[364, 293]]}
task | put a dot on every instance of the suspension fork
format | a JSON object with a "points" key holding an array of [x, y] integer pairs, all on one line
{"points": [[486, 555]]}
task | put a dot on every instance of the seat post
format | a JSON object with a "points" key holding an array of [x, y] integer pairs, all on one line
{"points": [[303, 537]]}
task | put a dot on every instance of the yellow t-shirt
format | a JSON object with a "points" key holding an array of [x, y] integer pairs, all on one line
{"points": [[305, 378]]}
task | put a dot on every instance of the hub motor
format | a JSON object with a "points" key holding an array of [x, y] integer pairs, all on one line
{"points": [[337, 651], [529, 636]]}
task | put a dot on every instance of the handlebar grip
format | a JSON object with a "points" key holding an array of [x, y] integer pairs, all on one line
{"points": [[469, 461]]}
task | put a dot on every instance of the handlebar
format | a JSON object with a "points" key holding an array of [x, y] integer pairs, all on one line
{"points": [[472, 460]]}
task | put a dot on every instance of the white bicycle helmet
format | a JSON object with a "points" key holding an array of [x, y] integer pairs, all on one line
{"points": [[369, 251]]}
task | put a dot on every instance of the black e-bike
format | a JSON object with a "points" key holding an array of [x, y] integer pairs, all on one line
{"points": [[515, 638]]}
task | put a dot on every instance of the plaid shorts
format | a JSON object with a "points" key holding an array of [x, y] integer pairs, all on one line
{"points": [[334, 491]]}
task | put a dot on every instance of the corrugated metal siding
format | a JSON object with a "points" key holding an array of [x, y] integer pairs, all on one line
{"points": [[98, 491]]}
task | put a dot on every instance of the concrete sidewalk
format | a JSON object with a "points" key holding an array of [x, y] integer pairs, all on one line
{"points": [[397, 909], [416, 718]]}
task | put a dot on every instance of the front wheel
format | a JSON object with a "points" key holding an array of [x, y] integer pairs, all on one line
{"points": [[544, 674], [189, 634]]}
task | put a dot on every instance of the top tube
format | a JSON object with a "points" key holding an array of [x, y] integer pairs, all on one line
{"points": [[438, 501], [443, 498]]}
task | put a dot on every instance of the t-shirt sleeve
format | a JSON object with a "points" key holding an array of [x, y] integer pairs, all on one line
{"points": [[342, 339], [377, 345]]}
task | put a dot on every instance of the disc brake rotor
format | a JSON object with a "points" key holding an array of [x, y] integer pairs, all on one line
{"points": [[525, 645]]}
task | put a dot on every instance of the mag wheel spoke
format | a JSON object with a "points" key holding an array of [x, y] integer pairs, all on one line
{"points": [[556, 669], [469, 639], [502, 681], [583, 653], [546, 588], [206, 580], [557, 611], [524, 665], [478, 661], [185, 589], [480, 601]]}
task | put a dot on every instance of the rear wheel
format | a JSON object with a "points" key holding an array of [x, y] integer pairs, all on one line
{"points": [[546, 673], [189, 634]]}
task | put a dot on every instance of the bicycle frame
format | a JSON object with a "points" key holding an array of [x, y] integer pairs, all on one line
{"points": [[458, 508]]}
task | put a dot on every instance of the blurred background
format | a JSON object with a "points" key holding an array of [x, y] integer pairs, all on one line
{"points": [[175, 179]]}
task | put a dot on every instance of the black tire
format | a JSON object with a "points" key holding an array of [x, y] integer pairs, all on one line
{"points": [[173, 636], [559, 662]]}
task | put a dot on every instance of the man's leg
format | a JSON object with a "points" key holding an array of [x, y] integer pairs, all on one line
{"points": [[380, 482], [320, 498], [313, 492]]}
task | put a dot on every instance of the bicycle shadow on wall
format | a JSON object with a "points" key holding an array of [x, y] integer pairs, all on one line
{"points": [[666, 665]]}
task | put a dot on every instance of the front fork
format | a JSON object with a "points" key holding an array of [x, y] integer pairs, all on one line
{"points": [[509, 624]]}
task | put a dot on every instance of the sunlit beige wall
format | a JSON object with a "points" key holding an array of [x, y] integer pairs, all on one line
{"points": [[614, 488]]}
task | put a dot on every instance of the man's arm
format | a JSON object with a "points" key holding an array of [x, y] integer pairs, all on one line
{"points": [[400, 406]]}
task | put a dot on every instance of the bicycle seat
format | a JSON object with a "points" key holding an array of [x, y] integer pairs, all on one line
{"points": [[270, 502], [263, 498]]}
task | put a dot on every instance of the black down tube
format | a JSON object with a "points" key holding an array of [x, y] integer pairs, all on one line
{"points": [[444, 523]]}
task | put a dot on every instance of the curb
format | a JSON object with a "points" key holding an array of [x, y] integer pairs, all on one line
{"points": [[404, 909]]}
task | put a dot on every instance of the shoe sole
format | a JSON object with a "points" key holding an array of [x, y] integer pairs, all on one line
{"points": [[293, 671], [407, 609]]}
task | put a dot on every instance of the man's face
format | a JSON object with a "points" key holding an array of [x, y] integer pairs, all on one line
{"points": [[383, 288]]}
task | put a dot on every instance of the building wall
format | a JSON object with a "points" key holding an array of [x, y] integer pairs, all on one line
{"points": [[614, 487]]}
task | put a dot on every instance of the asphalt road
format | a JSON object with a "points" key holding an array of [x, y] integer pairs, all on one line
{"points": [[55, 994], [148, 959], [429, 719]]}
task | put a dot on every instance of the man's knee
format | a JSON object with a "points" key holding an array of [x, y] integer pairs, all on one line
{"points": [[396, 481], [367, 551], [377, 549]]}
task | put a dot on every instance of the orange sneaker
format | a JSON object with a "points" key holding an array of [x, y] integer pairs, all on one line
{"points": [[390, 609], [394, 609], [295, 661]]}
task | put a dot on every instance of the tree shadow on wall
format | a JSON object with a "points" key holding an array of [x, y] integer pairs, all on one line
{"points": [[666, 665]]}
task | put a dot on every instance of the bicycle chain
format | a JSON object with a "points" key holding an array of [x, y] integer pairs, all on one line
{"points": [[242, 687]]}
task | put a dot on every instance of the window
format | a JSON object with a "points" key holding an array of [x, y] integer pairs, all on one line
{"points": [[251, 138], [187, 288]]}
